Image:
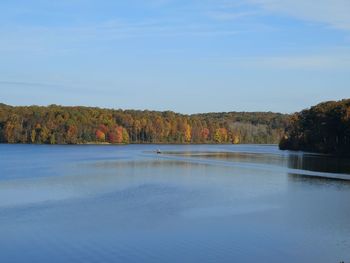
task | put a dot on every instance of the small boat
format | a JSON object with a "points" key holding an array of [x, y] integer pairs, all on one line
{"points": [[158, 151]]}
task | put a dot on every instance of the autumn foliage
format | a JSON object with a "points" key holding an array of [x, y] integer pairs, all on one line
{"points": [[205, 134], [71, 125], [118, 134], [100, 136], [323, 128]]}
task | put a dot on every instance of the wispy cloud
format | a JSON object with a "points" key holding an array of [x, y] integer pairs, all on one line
{"points": [[334, 13], [309, 62], [226, 15], [49, 86], [331, 13], [40, 85], [26, 84], [68, 38]]}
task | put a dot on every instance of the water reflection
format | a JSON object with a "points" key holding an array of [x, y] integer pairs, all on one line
{"points": [[320, 163], [298, 161], [243, 157]]}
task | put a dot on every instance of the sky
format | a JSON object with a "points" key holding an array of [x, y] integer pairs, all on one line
{"points": [[187, 56]]}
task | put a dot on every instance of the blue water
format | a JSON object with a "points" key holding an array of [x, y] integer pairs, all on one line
{"points": [[201, 203]]}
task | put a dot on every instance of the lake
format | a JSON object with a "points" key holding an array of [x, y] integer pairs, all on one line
{"points": [[191, 203]]}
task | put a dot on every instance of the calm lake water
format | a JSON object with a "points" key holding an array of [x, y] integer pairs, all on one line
{"points": [[216, 203]]}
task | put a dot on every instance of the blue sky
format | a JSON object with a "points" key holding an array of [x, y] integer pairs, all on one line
{"points": [[186, 56]]}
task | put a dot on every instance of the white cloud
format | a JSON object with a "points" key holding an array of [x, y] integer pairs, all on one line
{"points": [[334, 13], [323, 60], [320, 62], [312, 62]]}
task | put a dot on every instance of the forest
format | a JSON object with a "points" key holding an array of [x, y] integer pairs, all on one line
{"points": [[56, 124], [324, 128]]}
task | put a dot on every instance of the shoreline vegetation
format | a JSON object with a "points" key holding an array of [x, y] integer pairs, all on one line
{"points": [[148, 143], [324, 128], [82, 125]]}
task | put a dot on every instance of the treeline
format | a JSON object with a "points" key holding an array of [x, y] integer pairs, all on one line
{"points": [[324, 128], [73, 125]]}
